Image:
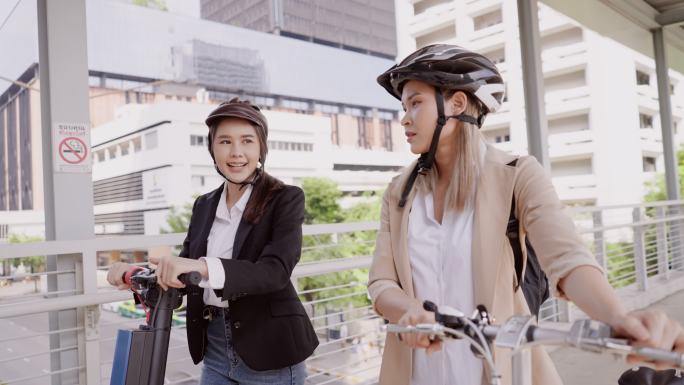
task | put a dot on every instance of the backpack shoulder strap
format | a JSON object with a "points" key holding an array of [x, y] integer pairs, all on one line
{"points": [[513, 235]]}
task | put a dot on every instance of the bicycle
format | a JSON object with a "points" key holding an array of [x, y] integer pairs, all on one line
{"points": [[519, 333], [140, 355]]}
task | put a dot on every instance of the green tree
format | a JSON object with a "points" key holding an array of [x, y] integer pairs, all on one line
{"points": [[657, 191], [36, 264], [322, 196], [156, 4], [178, 219]]}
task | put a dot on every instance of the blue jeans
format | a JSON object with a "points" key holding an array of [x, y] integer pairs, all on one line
{"points": [[223, 366]]}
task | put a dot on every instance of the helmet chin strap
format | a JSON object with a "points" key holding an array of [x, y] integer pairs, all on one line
{"points": [[255, 176], [427, 159]]}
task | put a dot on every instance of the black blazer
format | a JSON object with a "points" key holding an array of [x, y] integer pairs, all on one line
{"points": [[270, 327]]}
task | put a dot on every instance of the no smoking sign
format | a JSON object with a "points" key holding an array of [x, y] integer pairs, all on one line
{"points": [[73, 150], [71, 147]]}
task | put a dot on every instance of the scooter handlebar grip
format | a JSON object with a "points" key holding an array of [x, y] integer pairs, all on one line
{"points": [[191, 278], [129, 273]]}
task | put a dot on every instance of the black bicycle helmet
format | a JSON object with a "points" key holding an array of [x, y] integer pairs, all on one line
{"points": [[450, 67]]}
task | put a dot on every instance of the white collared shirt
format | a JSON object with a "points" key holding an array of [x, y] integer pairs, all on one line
{"points": [[220, 243], [441, 267]]}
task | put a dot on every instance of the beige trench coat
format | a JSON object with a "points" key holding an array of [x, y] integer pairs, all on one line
{"points": [[551, 231]]}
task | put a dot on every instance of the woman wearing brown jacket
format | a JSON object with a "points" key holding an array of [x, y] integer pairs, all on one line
{"points": [[442, 235]]}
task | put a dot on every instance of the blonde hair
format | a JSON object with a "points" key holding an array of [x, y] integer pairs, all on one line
{"points": [[467, 162]]}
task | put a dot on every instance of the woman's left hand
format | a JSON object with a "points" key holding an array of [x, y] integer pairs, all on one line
{"points": [[650, 328], [169, 268]]}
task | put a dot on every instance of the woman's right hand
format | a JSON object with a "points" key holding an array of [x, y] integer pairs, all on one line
{"points": [[115, 275], [413, 316]]}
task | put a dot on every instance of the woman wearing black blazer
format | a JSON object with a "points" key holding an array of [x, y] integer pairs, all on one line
{"points": [[245, 321]]}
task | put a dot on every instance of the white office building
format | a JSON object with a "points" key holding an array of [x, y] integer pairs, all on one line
{"points": [[152, 157], [604, 136]]}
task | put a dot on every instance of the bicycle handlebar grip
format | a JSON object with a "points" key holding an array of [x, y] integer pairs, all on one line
{"points": [[430, 306], [191, 278], [662, 355]]}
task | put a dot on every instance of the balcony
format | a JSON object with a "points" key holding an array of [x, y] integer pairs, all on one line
{"points": [[564, 59], [570, 145], [651, 140], [550, 20], [487, 37], [504, 146], [432, 20], [476, 6], [568, 100], [576, 187]]}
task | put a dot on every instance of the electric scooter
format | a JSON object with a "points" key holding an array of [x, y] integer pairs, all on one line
{"points": [[140, 355]]}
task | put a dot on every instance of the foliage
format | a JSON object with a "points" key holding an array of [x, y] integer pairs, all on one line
{"points": [[657, 191], [178, 219], [322, 196], [36, 264], [156, 4]]}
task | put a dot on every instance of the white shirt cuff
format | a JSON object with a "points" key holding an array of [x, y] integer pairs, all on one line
{"points": [[217, 276]]}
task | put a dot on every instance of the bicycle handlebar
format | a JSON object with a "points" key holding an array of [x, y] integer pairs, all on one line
{"points": [[520, 332]]}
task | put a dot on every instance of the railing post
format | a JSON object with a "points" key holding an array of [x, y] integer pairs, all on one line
{"points": [[599, 241], [89, 343], [639, 251], [661, 242], [563, 309]]}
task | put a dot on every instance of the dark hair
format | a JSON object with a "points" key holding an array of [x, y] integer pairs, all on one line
{"points": [[263, 192]]}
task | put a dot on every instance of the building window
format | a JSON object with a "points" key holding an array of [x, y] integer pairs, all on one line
{"points": [[198, 140], [441, 35], [151, 140], [137, 144], [124, 148], [501, 135], [423, 5], [497, 56], [645, 121], [100, 155], [112, 152], [643, 79], [487, 20], [327, 108], [387, 135], [335, 130], [198, 181], [290, 146], [649, 163]]}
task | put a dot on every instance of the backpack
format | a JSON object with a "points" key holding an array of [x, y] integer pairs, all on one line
{"points": [[535, 285]]}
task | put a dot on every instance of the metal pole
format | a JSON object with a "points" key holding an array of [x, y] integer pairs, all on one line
{"points": [[666, 115], [522, 367], [533, 81], [599, 241], [661, 245], [63, 66], [639, 251], [667, 129]]}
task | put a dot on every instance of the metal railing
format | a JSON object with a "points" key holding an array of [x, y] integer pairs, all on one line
{"points": [[638, 246]]}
